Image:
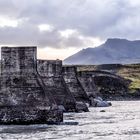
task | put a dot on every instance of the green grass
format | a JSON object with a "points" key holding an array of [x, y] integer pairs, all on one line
{"points": [[131, 72], [135, 84]]}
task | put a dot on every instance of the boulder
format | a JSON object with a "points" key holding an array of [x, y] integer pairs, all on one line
{"points": [[81, 107], [99, 102]]}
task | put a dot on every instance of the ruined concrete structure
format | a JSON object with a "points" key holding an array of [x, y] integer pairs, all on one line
{"points": [[38, 91], [110, 86], [51, 74], [75, 87], [89, 86], [23, 96], [87, 83]]}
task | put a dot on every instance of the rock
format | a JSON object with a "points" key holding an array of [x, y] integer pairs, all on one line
{"points": [[102, 111], [68, 123], [102, 104], [80, 107], [98, 101]]}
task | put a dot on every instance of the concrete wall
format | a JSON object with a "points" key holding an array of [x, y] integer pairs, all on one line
{"points": [[74, 85], [19, 80], [21, 85], [87, 83], [51, 73], [18, 60]]}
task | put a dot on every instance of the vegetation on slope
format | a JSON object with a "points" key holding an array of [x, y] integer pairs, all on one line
{"points": [[130, 72]]}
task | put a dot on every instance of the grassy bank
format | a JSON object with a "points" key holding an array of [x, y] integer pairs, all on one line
{"points": [[130, 71]]}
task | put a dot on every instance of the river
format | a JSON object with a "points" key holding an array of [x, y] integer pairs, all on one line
{"points": [[121, 121]]}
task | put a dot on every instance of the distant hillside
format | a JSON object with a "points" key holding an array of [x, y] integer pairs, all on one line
{"points": [[112, 51]]}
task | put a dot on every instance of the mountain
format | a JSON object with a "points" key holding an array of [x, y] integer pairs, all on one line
{"points": [[113, 51]]}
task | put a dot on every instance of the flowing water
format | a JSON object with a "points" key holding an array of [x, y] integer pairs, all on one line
{"points": [[119, 122]]}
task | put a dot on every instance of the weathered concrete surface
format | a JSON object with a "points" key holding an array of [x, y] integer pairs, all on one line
{"points": [[22, 87], [72, 82], [86, 80], [88, 85], [51, 73], [29, 115], [110, 86]]}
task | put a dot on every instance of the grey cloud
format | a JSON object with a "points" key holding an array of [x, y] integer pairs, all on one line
{"points": [[29, 34], [91, 18]]}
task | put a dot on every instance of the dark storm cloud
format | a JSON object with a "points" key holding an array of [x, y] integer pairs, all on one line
{"points": [[90, 18]]}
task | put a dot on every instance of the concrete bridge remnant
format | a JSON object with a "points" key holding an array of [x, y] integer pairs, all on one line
{"points": [[88, 85], [51, 74], [110, 86], [75, 87], [23, 96]]}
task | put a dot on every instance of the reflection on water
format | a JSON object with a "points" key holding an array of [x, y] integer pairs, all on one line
{"points": [[121, 121]]}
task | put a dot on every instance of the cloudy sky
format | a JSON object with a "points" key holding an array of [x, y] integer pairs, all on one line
{"points": [[62, 27]]}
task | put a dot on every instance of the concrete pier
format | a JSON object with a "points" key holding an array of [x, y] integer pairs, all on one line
{"points": [[51, 74], [23, 98], [74, 85], [88, 85]]}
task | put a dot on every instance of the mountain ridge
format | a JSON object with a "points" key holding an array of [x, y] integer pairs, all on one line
{"points": [[114, 50]]}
